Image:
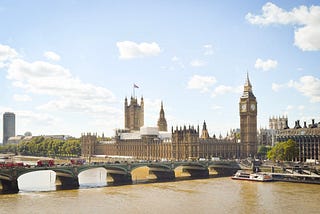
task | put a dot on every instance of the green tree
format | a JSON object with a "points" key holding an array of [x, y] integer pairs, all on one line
{"points": [[283, 151], [47, 147], [263, 150], [9, 148]]}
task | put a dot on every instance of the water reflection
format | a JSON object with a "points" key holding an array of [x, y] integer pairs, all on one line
{"points": [[46, 180], [37, 181], [93, 178]]}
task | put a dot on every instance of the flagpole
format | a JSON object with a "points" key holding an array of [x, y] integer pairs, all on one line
{"points": [[134, 86], [133, 91]]}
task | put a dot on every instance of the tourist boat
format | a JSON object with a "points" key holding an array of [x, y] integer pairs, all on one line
{"points": [[259, 176]]}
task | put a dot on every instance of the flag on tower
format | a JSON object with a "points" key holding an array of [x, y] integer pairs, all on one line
{"points": [[135, 86]]}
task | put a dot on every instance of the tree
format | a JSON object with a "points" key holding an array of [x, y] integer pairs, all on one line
{"points": [[283, 151], [47, 147], [263, 150]]}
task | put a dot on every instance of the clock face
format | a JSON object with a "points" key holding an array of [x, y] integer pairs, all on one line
{"points": [[243, 107], [253, 107]]}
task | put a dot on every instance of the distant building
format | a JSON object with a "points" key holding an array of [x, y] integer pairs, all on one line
{"points": [[18, 139], [277, 123], [306, 137], [58, 137], [182, 143], [266, 137], [9, 126], [135, 140]]}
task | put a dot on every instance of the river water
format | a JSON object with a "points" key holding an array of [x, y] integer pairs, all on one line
{"points": [[215, 195]]}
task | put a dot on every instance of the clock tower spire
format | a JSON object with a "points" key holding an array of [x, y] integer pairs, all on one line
{"points": [[248, 121]]}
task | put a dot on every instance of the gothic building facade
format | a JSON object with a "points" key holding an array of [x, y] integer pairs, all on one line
{"points": [[277, 123], [133, 114], [181, 143]]}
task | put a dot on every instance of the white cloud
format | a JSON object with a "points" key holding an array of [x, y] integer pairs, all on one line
{"points": [[223, 89], [56, 81], [216, 107], [21, 97], [176, 64], [175, 59], [30, 117], [289, 107], [2, 65], [7, 53], [276, 87], [301, 107], [309, 86], [208, 49], [130, 50], [306, 20], [265, 65], [201, 83], [197, 63], [51, 56]]}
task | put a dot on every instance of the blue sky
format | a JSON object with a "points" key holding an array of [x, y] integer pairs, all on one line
{"points": [[66, 66]]}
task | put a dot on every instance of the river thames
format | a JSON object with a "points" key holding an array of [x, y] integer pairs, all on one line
{"points": [[215, 195]]}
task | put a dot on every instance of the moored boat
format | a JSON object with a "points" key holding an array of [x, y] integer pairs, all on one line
{"points": [[259, 176]]}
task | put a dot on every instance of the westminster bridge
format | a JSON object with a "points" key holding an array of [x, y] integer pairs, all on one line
{"points": [[120, 172]]}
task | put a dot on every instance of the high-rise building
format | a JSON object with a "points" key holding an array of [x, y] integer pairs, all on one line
{"points": [[248, 121], [133, 114], [9, 126]]}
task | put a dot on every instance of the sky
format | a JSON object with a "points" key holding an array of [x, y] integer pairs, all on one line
{"points": [[67, 66]]}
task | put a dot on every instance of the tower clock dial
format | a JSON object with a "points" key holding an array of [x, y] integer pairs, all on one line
{"points": [[243, 107], [253, 107]]}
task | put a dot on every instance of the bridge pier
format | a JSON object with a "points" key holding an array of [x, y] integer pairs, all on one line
{"points": [[198, 173], [226, 171], [69, 182], [9, 186], [121, 178], [164, 175]]}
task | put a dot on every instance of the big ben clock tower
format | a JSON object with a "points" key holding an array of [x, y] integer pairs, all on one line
{"points": [[248, 121]]}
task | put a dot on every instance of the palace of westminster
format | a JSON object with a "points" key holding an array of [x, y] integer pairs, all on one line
{"points": [[183, 143]]}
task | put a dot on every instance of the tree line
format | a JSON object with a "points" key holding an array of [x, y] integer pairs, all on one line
{"points": [[40, 146]]}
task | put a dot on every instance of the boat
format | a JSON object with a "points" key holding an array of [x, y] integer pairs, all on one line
{"points": [[258, 176]]}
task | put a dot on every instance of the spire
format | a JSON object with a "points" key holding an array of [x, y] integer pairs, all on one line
{"points": [[204, 125], [247, 85], [162, 122], [247, 89], [204, 134], [161, 111], [248, 80]]}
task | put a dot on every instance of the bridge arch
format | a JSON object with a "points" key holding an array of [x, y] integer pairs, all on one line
{"points": [[194, 169], [119, 173], [162, 172]]}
